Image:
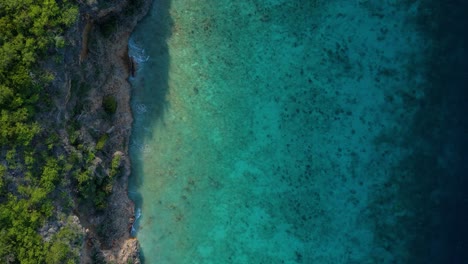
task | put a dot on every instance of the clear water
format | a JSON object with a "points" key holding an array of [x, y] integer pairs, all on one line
{"points": [[277, 131]]}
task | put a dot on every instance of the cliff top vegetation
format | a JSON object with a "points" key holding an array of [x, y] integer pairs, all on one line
{"points": [[32, 175]]}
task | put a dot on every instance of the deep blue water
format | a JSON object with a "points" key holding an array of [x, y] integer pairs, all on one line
{"points": [[449, 240]]}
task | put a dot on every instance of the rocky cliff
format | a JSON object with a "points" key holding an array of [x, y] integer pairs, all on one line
{"points": [[95, 93]]}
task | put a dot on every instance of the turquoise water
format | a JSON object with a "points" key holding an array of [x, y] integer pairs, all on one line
{"points": [[276, 131]]}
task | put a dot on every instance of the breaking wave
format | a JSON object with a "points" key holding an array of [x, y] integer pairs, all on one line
{"points": [[135, 223], [141, 108], [138, 53]]}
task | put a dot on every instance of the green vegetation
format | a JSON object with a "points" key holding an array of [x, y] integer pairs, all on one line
{"points": [[31, 172], [94, 185], [110, 104], [102, 142], [108, 27], [23, 214], [46, 171], [60, 246], [115, 165], [27, 29]]}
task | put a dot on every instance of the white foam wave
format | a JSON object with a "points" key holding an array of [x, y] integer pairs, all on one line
{"points": [[138, 53], [135, 223], [141, 108], [138, 213]]}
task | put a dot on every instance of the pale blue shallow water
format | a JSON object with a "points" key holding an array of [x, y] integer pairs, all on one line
{"points": [[265, 130]]}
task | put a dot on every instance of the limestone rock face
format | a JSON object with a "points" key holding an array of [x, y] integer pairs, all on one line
{"points": [[129, 252], [106, 69]]}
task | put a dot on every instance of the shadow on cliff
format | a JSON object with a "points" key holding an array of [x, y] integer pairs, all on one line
{"points": [[149, 87], [151, 83]]}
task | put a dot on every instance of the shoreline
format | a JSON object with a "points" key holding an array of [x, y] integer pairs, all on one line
{"points": [[99, 58]]}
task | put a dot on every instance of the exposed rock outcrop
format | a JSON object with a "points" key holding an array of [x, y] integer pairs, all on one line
{"points": [[100, 59]]}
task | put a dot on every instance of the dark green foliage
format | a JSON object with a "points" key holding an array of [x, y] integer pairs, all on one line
{"points": [[2, 177], [108, 27], [94, 187], [59, 250], [110, 104], [133, 7], [27, 29], [21, 216]]}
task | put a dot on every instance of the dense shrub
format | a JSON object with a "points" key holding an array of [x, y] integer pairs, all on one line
{"points": [[27, 30], [109, 104]]}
